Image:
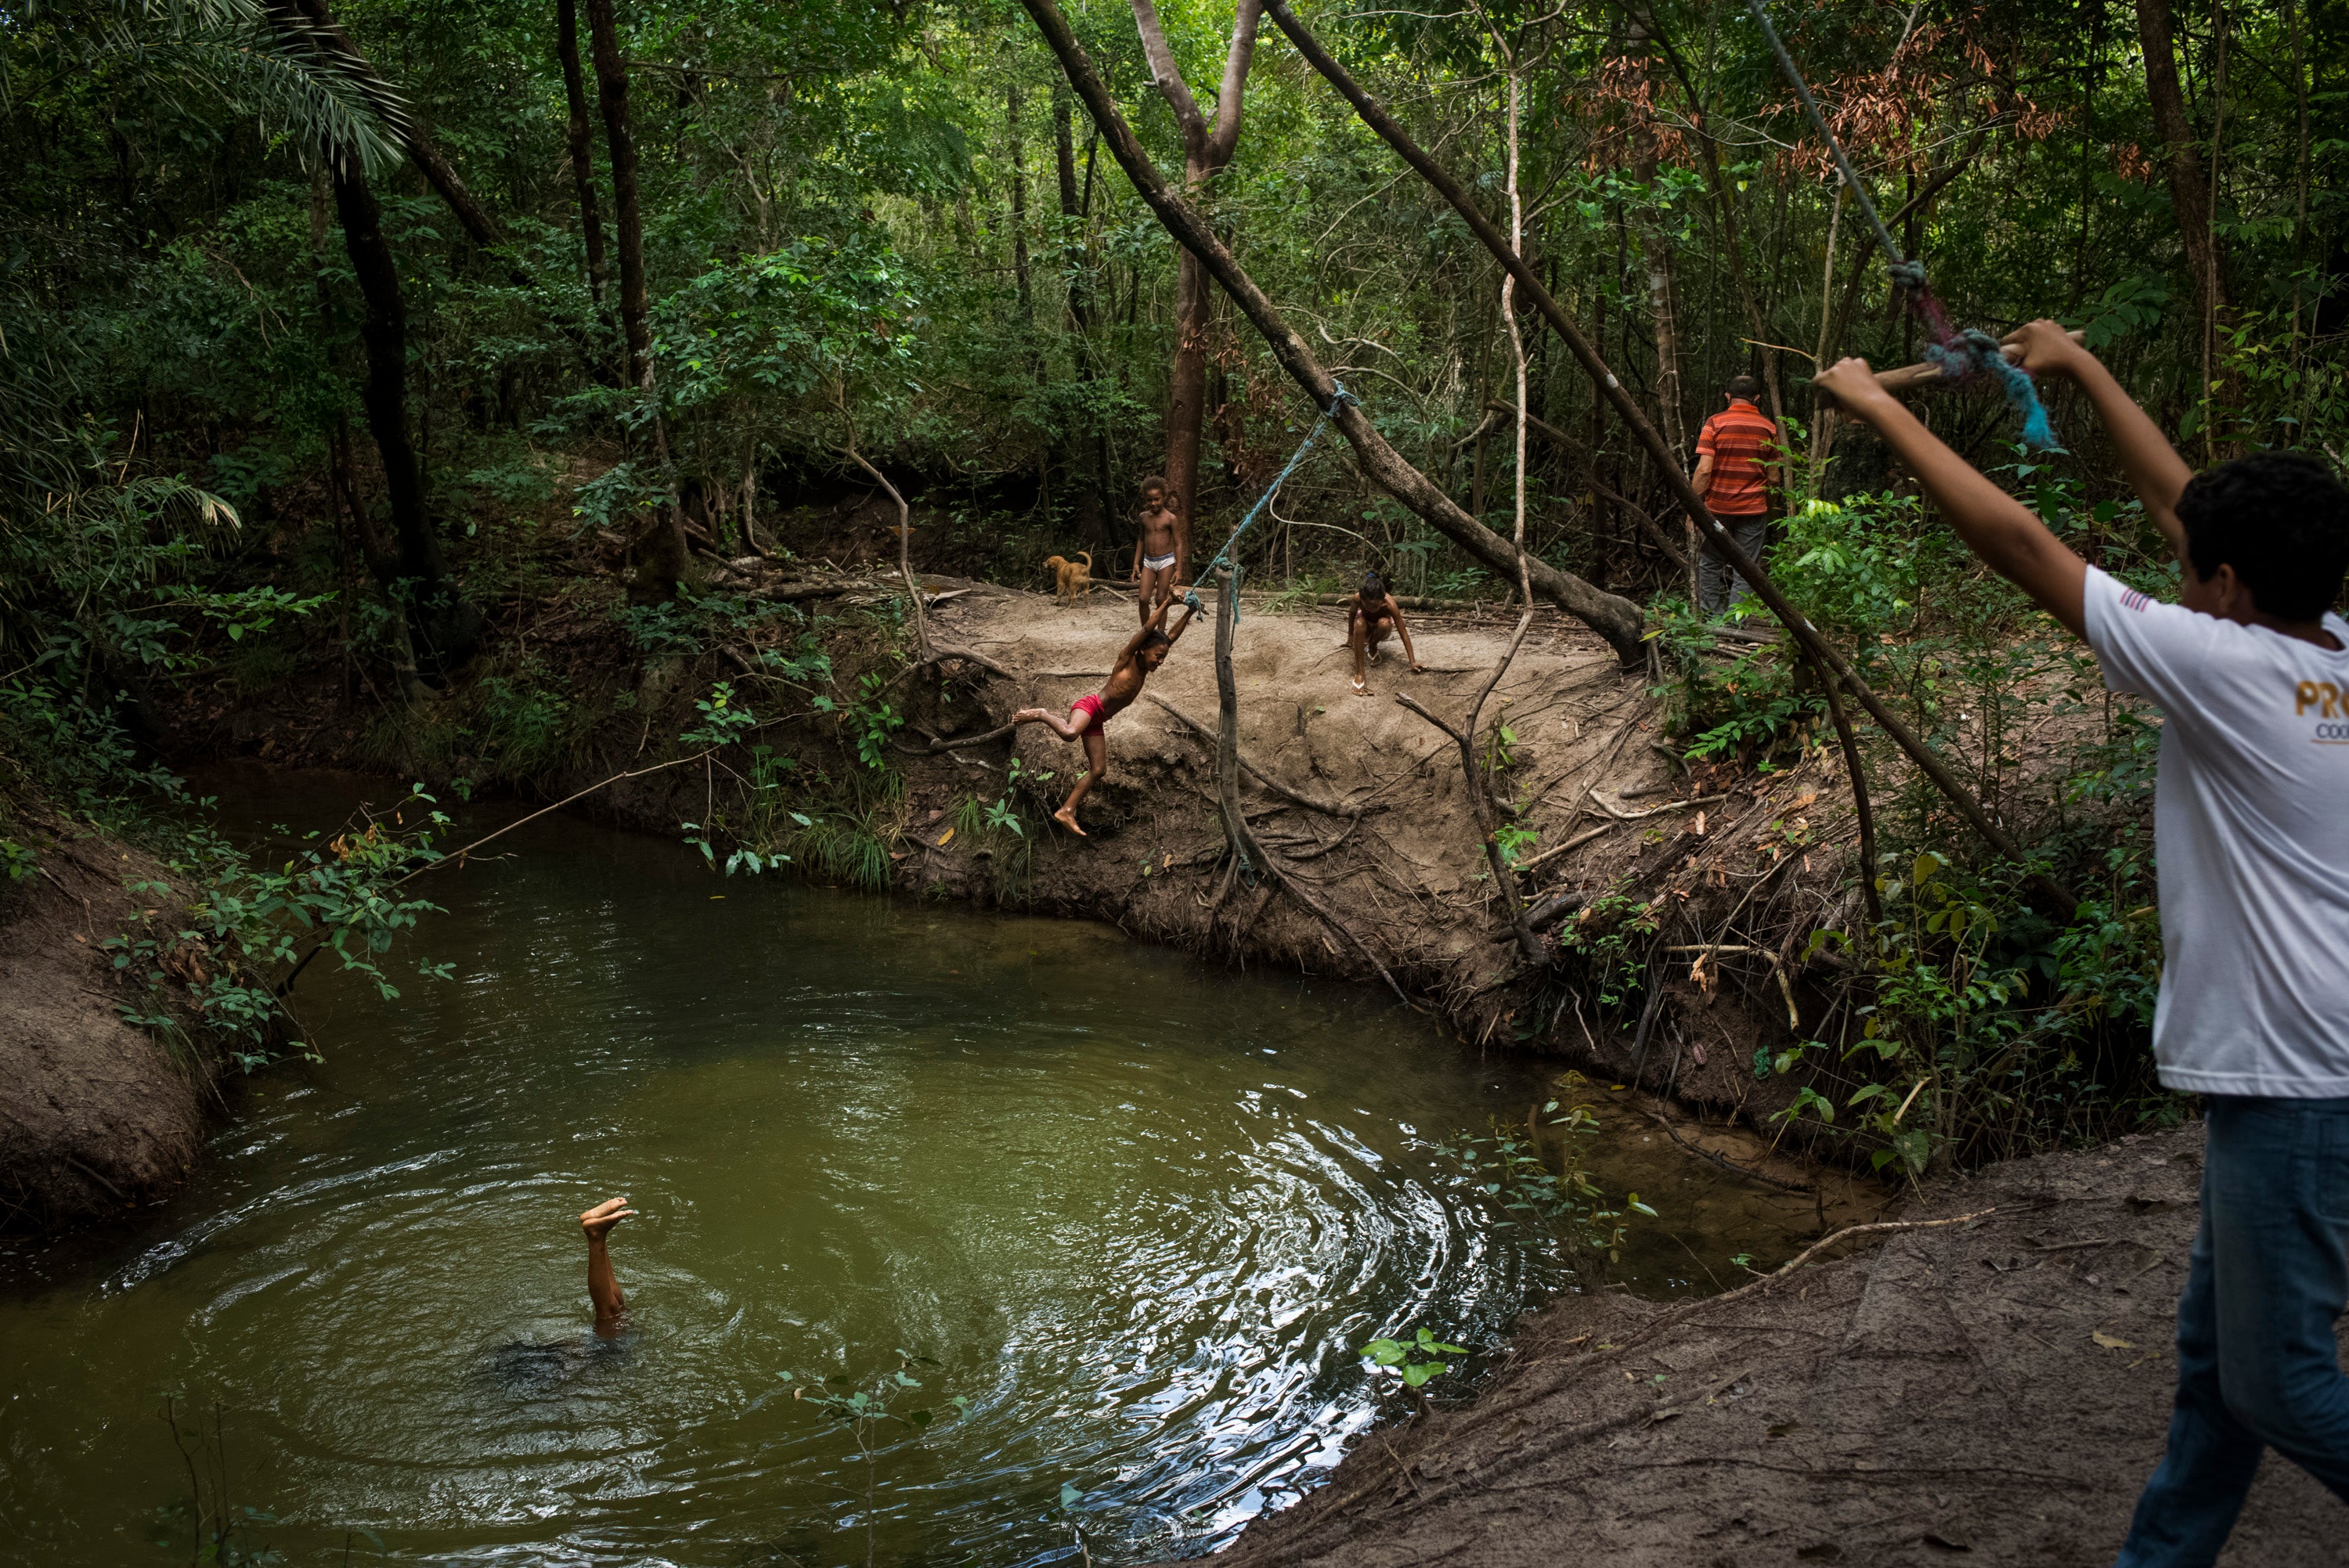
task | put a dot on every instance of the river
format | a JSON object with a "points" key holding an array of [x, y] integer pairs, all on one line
{"points": [[1136, 1212]]}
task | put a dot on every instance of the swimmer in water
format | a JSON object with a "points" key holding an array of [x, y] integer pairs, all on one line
{"points": [[602, 1288]]}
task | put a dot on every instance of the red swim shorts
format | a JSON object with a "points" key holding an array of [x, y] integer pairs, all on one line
{"points": [[1090, 704]]}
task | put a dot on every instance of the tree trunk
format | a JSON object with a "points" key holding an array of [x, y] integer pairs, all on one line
{"points": [[2190, 182], [663, 560], [447, 626], [582, 139], [1206, 153]]}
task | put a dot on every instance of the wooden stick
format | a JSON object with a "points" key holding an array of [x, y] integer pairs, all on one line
{"points": [[1925, 373]]}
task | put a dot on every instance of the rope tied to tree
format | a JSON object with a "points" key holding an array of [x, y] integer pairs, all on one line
{"points": [[1961, 355], [1338, 398]]}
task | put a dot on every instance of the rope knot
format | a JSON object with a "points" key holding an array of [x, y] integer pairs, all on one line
{"points": [[1910, 275]]}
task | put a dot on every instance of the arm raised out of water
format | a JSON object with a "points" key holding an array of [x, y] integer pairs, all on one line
{"points": [[602, 1288]]}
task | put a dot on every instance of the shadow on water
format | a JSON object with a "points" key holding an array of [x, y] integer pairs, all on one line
{"points": [[1140, 1212]]}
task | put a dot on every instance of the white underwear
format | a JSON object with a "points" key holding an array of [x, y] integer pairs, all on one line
{"points": [[1158, 563]]}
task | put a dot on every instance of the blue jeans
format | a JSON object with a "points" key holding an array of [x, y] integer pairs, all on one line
{"points": [[2257, 1366]]}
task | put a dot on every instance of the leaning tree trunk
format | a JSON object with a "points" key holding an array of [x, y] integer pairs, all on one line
{"points": [[445, 626], [663, 562]]}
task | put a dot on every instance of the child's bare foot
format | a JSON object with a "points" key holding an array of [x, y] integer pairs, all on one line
{"points": [[1026, 714], [1068, 819], [598, 1220]]}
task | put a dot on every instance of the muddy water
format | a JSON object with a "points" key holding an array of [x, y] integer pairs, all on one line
{"points": [[1139, 1212]]}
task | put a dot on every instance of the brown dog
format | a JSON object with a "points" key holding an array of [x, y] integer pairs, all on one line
{"points": [[1071, 580]]}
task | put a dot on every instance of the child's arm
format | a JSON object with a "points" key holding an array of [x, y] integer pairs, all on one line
{"points": [[2155, 469], [1133, 644], [1175, 635], [1402, 630], [1994, 525]]}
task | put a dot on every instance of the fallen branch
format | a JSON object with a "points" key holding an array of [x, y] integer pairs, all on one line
{"points": [[1615, 618], [1326, 807], [459, 856], [1578, 839], [936, 745], [1623, 816]]}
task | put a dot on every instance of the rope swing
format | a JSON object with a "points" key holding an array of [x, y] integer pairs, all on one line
{"points": [[1338, 398], [1962, 353]]}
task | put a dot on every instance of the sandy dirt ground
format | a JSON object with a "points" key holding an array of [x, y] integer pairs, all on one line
{"points": [[1995, 1391]]}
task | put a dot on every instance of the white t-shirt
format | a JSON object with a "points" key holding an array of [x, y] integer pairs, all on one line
{"points": [[2250, 823]]}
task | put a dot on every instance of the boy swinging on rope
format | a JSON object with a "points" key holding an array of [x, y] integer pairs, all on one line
{"points": [[2251, 671], [1143, 652]]}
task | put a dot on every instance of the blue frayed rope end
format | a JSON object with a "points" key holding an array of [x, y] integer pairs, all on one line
{"points": [[1976, 351]]}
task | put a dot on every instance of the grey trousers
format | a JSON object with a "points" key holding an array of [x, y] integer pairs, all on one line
{"points": [[1713, 577]]}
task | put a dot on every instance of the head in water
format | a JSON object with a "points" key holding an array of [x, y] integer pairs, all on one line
{"points": [[1374, 587], [1742, 388]]}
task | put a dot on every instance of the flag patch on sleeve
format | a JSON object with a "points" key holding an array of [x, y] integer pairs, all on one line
{"points": [[2133, 600]]}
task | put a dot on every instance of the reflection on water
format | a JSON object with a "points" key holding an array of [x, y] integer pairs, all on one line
{"points": [[1139, 1211]]}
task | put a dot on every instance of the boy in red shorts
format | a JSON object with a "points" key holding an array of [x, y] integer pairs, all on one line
{"points": [[1143, 652]]}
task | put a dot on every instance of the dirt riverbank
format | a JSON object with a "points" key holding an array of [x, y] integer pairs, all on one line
{"points": [[97, 1115], [1995, 1391]]}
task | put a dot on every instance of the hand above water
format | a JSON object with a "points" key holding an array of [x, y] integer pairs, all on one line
{"points": [[598, 1220]]}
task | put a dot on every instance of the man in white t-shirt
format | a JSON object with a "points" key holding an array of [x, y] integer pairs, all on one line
{"points": [[2251, 830]]}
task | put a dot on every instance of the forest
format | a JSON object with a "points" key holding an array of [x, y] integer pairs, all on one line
{"points": [[564, 510], [447, 367]]}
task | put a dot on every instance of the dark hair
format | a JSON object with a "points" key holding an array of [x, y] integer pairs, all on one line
{"points": [[1157, 480], [1742, 387], [1154, 638], [2280, 521], [1373, 586]]}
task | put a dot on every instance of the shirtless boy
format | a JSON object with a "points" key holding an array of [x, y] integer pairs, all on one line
{"points": [[1143, 654], [1159, 546], [1371, 616], [2247, 669]]}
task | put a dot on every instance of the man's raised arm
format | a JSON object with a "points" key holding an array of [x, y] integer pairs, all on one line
{"points": [[2155, 470]]}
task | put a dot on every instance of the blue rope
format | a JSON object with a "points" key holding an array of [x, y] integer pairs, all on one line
{"points": [[1337, 398], [1975, 351]]}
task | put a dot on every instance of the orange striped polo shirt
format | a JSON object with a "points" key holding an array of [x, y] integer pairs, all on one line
{"points": [[1740, 440]]}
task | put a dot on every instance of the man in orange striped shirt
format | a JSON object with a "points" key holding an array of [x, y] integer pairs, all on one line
{"points": [[1737, 459]]}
